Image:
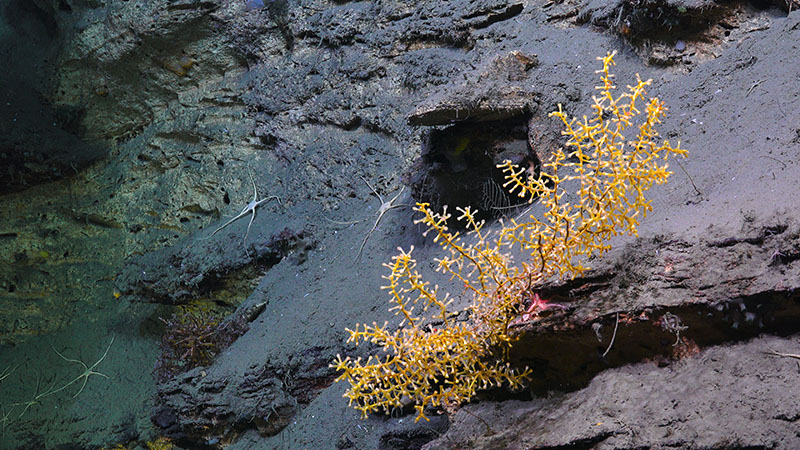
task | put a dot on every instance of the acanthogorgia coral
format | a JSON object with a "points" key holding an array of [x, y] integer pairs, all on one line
{"points": [[500, 268]]}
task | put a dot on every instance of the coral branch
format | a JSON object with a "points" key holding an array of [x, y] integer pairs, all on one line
{"points": [[447, 364]]}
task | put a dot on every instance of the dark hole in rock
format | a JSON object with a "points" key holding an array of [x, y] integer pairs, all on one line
{"points": [[458, 166], [565, 357], [767, 4], [408, 437], [655, 28], [30, 19]]}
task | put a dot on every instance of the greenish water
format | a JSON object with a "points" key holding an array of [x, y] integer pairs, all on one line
{"points": [[76, 357], [89, 385]]}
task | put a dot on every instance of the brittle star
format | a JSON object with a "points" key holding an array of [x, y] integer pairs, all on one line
{"points": [[4, 419], [87, 371], [249, 208], [7, 372], [783, 355], [33, 401], [385, 206]]}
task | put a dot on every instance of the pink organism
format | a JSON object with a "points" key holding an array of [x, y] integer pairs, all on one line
{"points": [[535, 306]]}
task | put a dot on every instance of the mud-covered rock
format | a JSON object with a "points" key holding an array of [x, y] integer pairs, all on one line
{"points": [[175, 275], [496, 92], [645, 405], [127, 61], [200, 412]]}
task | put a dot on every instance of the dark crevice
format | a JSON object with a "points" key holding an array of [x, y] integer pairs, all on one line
{"points": [[413, 437], [583, 288], [756, 239], [785, 418], [492, 18], [659, 20], [458, 166], [348, 123], [267, 254], [581, 444], [668, 32], [192, 5], [565, 356]]}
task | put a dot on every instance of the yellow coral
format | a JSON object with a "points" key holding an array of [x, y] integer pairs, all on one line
{"points": [[161, 443], [448, 363]]}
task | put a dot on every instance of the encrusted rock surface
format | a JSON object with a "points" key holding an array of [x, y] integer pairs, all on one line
{"points": [[329, 106], [497, 92]]}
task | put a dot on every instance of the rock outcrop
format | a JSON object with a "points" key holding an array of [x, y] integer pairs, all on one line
{"points": [[336, 107]]}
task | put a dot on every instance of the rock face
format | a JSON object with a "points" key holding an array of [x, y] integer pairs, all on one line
{"points": [[496, 93], [39, 141], [642, 405], [335, 108]]}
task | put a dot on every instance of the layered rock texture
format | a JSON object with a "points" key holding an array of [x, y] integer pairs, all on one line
{"points": [[134, 130]]}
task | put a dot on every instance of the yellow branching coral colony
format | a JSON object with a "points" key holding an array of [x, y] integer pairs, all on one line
{"points": [[446, 365]]}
